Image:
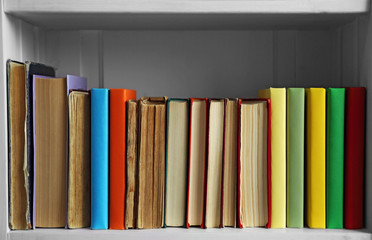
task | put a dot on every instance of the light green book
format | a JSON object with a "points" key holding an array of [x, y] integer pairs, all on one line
{"points": [[295, 156]]}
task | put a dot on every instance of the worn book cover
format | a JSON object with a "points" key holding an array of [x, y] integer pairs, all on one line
{"points": [[151, 162], [19, 184], [78, 202]]}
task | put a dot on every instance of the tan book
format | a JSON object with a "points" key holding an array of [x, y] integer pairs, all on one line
{"points": [[78, 202], [230, 164], [214, 164], [151, 162], [197, 153], [50, 151], [131, 164], [19, 212], [253, 164]]}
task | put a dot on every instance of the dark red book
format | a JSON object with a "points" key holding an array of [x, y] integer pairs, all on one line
{"points": [[355, 104], [268, 224]]}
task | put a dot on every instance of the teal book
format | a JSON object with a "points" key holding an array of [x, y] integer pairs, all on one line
{"points": [[335, 157], [295, 156]]}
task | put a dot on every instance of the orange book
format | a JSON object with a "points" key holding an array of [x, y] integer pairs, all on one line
{"points": [[118, 100]]}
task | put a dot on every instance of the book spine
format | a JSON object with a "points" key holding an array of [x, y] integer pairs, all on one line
{"points": [[354, 157], [117, 158], [316, 153], [335, 156], [277, 98], [99, 158], [295, 156]]}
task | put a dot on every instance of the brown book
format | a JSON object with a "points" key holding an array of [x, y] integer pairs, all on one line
{"points": [[131, 164], [50, 151], [78, 202], [230, 164], [19, 212], [151, 162]]}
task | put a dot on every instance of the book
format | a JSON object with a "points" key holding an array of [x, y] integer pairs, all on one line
{"points": [[213, 182], [99, 158], [197, 159], [315, 157], [131, 164], [32, 68], [118, 100], [355, 113], [151, 162], [176, 162], [335, 157], [19, 208], [295, 156], [78, 201], [50, 147], [253, 163], [278, 154], [230, 164]]}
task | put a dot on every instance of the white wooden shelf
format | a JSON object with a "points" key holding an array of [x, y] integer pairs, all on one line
{"points": [[192, 233], [165, 14]]}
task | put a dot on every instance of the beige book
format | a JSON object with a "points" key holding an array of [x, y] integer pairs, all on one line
{"points": [[253, 160], [131, 164], [176, 162], [198, 134], [151, 162], [78, 203], [50, 151], [214, 167], [230, 170], [19, 212]]}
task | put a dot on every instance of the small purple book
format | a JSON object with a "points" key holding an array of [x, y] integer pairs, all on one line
{"points": [[72, 83]]}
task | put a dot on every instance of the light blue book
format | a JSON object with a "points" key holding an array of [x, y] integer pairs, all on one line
{"points": [[99, 158]]}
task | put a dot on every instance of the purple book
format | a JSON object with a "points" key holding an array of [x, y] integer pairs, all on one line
{"points": [[72, 83]]}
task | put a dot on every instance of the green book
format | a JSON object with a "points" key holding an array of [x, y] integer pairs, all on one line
{"points": [[295, 156], [335, 156]]}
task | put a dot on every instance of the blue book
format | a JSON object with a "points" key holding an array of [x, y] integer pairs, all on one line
{"points": [[99, 158]]}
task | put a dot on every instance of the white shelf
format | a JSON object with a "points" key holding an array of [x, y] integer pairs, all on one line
{"points": [[164, 14], [192, 233]]}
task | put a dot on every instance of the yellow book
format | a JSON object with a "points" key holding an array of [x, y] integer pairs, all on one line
{"points": [[316, 157], [278, 154]]}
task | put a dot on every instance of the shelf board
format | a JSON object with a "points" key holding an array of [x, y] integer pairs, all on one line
{"points": [[189, 14], [192, 233]]}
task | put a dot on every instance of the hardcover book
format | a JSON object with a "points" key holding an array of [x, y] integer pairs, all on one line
{"points": [[118, 101], [151, 162], [197, 159], [19, 184], [355, 113], [295, 156], [254, 163], [78, 201], [230, 164], [99, 158], [315, 157], [176, 162], [278, 154], [131, 165], [335, 157], [213, 182]]}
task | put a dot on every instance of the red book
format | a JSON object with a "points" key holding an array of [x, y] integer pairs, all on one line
{"points": [[268, 225], [354, 157], [118, 99], [197, 157]]}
